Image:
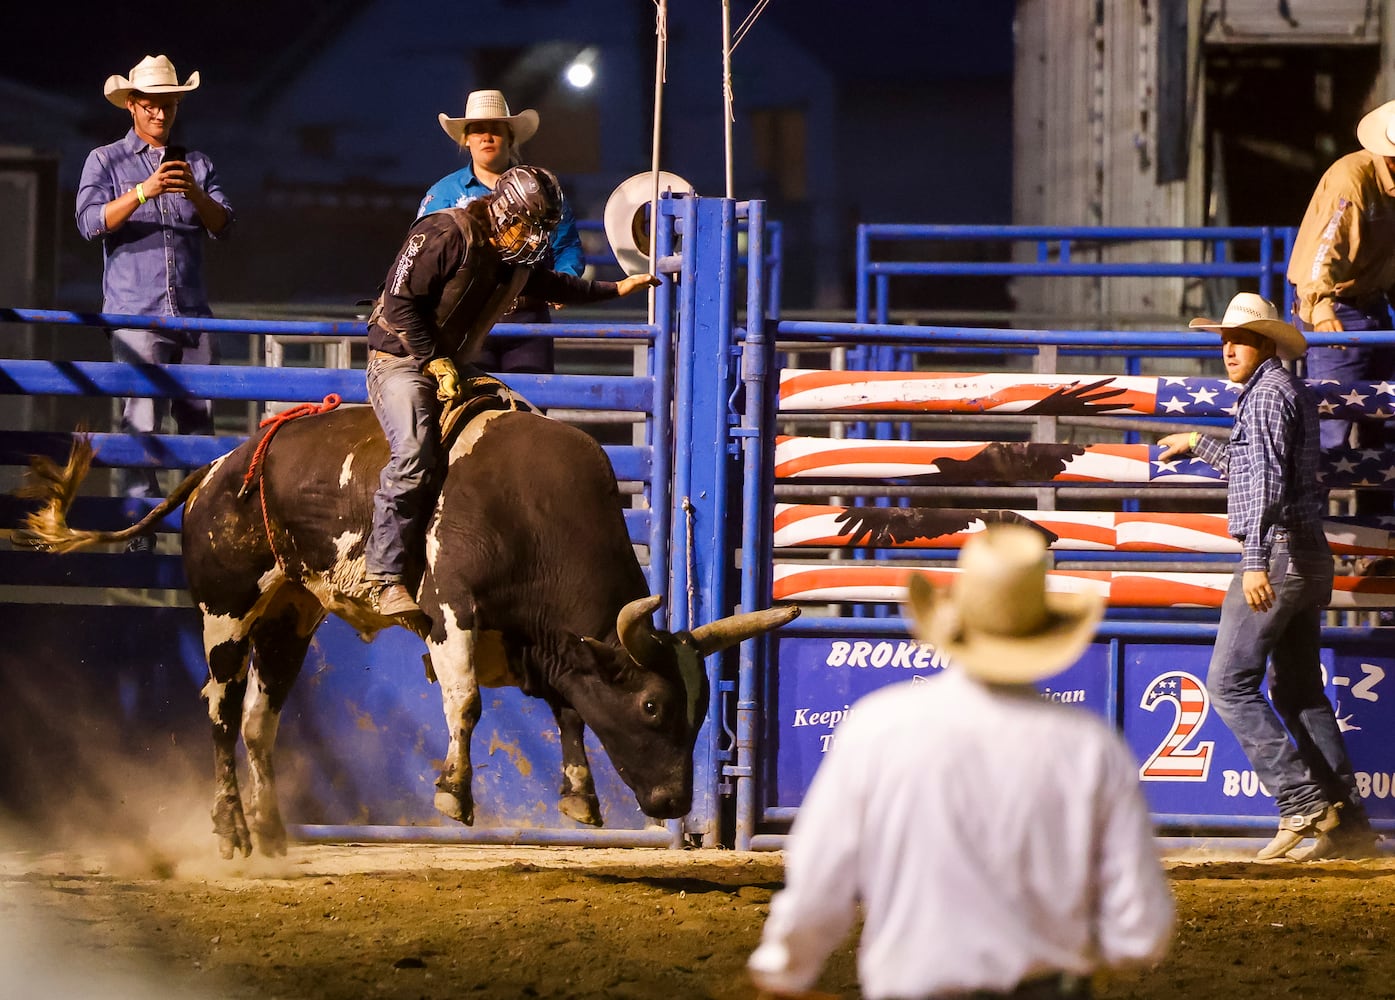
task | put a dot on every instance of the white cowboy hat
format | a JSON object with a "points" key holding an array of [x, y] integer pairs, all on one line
{"points": [[997, 621], [490, 106], [152, 75], [1248, 311], [1376, 131], [627, 217]]}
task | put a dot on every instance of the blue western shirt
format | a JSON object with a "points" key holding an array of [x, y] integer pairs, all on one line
{"points": [[458, 189], [1271, 461], [153, 264]]}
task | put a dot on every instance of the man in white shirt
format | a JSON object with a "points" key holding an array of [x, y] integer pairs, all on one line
{"points": [[998, 844]]}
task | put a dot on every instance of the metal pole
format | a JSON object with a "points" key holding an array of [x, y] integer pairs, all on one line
{"points": [[660, 55], [726, 88]]}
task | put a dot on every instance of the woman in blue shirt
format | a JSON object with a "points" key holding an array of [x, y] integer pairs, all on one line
{"points": [[490, 135]]}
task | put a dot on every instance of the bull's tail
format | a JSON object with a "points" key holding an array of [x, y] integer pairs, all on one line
{"points": [[56, 486]]}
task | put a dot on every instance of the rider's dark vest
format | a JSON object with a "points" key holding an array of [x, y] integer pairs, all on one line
{"points": [[480, 291]]}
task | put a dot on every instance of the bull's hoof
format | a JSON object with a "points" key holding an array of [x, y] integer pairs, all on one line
{"points": [[582, 808], [231, 828], [453, 807]]}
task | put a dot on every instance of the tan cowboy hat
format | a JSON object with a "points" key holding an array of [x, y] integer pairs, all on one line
{"points": [[490, 106], [996, 621], [1248, 311], [152, 75], [1376, 130]]}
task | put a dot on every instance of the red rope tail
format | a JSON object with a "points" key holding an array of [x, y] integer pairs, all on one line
{"points": [[275, 421]]}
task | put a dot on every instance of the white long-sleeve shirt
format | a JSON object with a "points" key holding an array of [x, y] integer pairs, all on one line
{"points": [[989, 836]]}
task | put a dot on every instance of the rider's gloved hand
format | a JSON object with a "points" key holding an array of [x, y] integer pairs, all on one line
{"points": [[447, 378]]}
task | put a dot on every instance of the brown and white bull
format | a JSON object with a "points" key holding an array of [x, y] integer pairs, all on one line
{"points": [[530, 580]]}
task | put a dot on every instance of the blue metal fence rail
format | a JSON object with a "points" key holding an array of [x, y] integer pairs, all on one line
{"points": [[1054, 248]]}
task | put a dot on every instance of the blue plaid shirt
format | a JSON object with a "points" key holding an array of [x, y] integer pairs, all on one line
{"points": [[1271, 461]]}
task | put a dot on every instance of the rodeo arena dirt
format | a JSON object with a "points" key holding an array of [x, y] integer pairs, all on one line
{"points": [[168, 920]]}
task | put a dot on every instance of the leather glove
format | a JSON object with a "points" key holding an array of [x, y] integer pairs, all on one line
{"points": [[447, 378]]}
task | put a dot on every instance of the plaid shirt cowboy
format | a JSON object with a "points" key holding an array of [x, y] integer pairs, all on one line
{"points": [[1271, 462]]}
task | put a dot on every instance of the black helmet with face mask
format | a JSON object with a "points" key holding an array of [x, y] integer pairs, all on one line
{"points": [[524, 212]]}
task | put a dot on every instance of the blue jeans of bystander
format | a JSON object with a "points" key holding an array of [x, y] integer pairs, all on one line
{"points": [[1305, 766], [144, 415]]}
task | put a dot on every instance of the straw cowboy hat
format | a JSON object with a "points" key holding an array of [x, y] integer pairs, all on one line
{"points": [[152, 75], [490, 106], [1248, 311], [1376, 130], [996, 621]]}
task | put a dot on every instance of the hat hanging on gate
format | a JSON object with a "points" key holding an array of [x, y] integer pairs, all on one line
{"points": [[152, 75], [1248, 311], [997, 621], [627, 217], [1376, 131], [490, 106]]}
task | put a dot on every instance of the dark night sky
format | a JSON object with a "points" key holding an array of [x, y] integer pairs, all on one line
{"points": [[867, 40], [951, 38]]}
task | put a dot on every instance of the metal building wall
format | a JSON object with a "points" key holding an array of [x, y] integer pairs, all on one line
{"points": [[1086, 152], [1095, 81]]}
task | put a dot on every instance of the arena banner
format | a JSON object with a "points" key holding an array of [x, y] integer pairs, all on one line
{"points": [[822, 525], [821, 678], [1190, 766], [819, 391], [953, 463], [1190, 763]]}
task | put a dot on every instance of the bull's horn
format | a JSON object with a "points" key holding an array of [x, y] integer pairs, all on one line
{"points": [[729, 631], [636, 630]]}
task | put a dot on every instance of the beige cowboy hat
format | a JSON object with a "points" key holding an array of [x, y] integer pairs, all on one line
{"points": [[490, 106], [997, 621], [1376, 130], [1248, 311], [152, 75]]}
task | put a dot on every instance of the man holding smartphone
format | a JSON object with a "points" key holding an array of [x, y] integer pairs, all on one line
{"points": [[151, 202]]}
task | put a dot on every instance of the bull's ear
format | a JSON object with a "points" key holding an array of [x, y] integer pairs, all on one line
{"points": [[604, 655], [729, 631]]}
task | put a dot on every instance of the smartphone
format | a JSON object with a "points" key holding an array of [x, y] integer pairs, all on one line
{"points": [[175, 153]]}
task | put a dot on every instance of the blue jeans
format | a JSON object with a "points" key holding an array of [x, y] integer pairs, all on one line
{"points": [[1305, 765], [1354, 364], [142, 415], [404, 398]]}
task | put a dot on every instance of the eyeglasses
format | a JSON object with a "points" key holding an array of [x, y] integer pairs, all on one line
{"points": [[158, 110]]}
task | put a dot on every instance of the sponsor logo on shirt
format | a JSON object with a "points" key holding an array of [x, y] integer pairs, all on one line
{"points": [[404, 263]]}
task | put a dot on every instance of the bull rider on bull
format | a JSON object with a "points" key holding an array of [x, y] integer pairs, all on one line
{"points": [[459, 270]]}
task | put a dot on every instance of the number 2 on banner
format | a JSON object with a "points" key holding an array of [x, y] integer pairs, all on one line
{"points": [[1174, 759]]}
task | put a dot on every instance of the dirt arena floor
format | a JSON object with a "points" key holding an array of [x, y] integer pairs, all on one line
{"points": [[409, 922]]}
